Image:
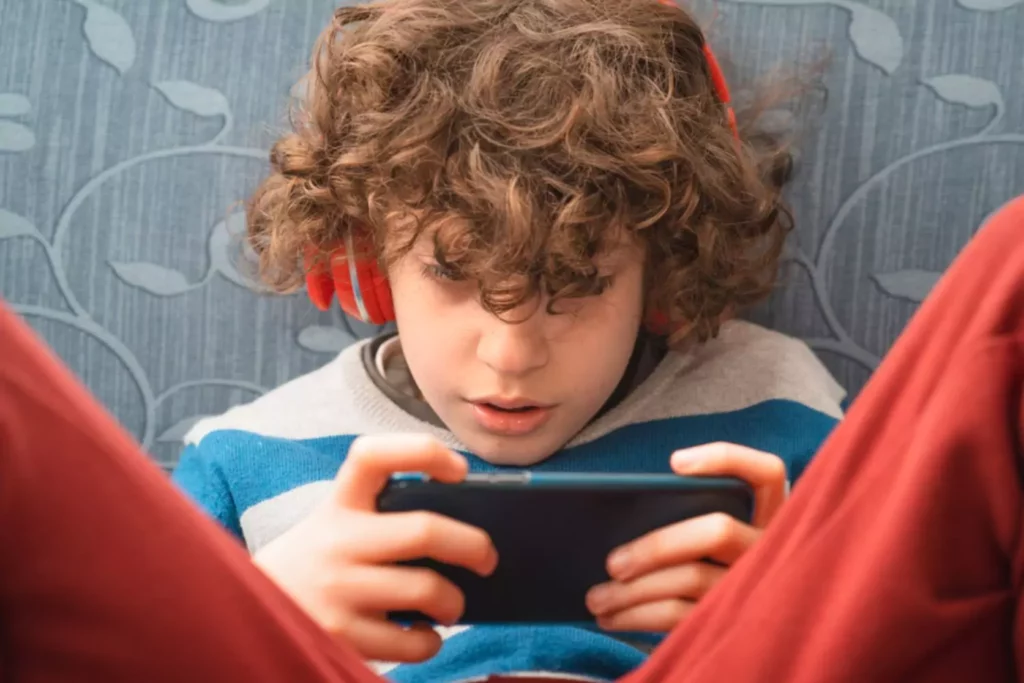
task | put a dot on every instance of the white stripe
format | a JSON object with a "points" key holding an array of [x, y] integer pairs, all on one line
{"points": [[746, 365], [268, 519]]}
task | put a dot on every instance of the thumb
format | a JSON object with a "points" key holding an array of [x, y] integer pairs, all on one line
{"points": [[764, 472], [372, 460]]}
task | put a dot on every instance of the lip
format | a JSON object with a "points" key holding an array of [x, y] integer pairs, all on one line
{"points": [[509, 402], [495, 415]]}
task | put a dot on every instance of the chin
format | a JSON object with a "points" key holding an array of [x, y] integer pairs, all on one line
{"points": [[509, 452]]}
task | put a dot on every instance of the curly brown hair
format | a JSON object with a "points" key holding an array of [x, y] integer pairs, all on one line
{"points": [[528, 137]]}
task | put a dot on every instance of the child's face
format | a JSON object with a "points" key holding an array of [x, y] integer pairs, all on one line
{"points": [[560, 368]]}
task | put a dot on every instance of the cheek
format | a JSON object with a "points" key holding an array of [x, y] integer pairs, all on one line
{"points": [[433, 328], [425, 343], [603, 336], [408, 307]]}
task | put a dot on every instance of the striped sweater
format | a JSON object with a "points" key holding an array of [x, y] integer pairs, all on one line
{"points": [[261, 467]]}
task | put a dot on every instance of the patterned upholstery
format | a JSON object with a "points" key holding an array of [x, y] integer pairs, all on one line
{"points": [[130, 130]]}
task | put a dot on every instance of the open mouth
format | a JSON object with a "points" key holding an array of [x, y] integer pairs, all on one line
{"points": [[514, 418], [518, 409]]}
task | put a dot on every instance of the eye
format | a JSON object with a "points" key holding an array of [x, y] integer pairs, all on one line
{"points": [[436, 271]]}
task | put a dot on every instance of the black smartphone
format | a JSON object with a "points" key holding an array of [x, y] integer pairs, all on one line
{"points": [[554, 532]]}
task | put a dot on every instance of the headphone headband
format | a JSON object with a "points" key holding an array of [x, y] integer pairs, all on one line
{"points": [[721, 88], [718, 82]]}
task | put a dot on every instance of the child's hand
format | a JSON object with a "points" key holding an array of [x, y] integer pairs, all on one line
{"points": [[658, 578], [338, 563]]}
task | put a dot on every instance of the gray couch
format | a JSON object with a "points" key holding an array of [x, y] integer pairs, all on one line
{"points": [[130, 129]]}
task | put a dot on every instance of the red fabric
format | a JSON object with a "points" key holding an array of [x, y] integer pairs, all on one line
{"points": [[107, 574], [896, 560]]}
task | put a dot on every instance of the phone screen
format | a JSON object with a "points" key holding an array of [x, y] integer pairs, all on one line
{"points": [[553, 534]]}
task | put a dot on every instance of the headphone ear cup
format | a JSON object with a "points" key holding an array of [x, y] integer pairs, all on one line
{"points": [[319, 283], [657, 323], [368, 298], [375, 291], [343, 285], [378, 296]]}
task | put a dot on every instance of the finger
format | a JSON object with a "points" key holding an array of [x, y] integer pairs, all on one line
{"points": [[390, 589], [378, 639], [402, 536], [656, 617], [371, 461], [689, 581], [765, 472], [717, 537]]}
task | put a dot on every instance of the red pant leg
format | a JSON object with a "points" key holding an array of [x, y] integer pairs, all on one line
{"points": [[107, 574], [897, 558]]}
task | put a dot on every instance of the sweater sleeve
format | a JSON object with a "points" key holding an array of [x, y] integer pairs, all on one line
{"points": [[202, 479]]}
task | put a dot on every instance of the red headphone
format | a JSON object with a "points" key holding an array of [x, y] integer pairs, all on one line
{"points": [[363, 290]]}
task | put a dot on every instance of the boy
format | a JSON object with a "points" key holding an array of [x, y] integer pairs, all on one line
{"points": [[549, 199]]}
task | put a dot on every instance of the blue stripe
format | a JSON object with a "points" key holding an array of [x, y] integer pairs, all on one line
{"points": [[256, 468], [202, 478], [230, 471], [492, 650]]}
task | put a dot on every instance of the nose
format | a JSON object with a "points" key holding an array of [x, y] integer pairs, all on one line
{"points": [[516, 343]]}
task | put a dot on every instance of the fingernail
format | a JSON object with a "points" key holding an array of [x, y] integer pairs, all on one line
{"points": [[491, 564], [685, 460], [598, 599], [618, 563]]}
